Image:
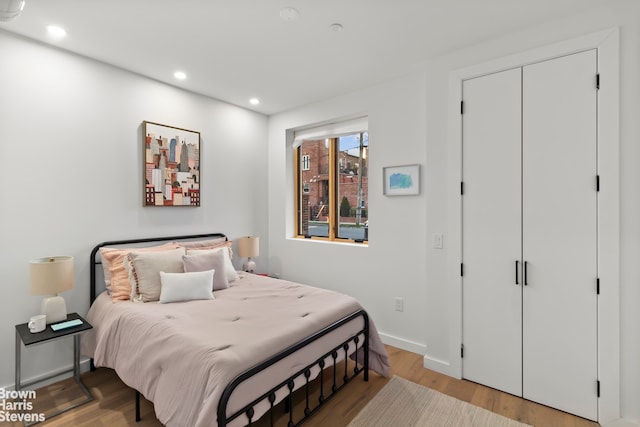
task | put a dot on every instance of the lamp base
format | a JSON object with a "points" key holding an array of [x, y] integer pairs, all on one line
{"points": [[249, 266], [54, 308]]}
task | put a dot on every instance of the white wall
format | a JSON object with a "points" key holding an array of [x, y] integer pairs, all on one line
{"points": [[70, 144], [408, 124], [393, 264]]}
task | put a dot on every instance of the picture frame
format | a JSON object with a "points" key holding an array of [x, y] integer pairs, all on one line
{"points": [[171, 166], [401, 180]]}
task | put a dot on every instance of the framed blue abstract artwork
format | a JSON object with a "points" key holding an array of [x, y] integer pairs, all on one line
{"points": [[401, 180]]}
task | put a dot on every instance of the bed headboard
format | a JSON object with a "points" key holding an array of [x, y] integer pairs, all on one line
{"points": [[97, 286]]}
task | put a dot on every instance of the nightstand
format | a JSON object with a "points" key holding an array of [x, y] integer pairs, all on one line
{"points": [[24, 336]]}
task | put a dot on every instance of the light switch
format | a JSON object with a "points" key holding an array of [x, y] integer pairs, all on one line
{"points": [[437, 240]]}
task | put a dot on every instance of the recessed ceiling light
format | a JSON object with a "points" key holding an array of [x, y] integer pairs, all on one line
{"points": [[180, 75], [10, 9], [56, 32], [289, 14], [336, 28], [254, 101]]}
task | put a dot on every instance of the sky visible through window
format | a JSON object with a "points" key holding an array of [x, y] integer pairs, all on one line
{"points": [[351, 143]]}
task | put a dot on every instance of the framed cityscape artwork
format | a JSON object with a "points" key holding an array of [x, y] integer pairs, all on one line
{"points": [[171, 159]]}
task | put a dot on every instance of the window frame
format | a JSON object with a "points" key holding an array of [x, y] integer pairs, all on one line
{"points": [[333, 174]]}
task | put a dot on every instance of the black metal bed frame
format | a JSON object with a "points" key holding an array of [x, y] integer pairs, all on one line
{"points": [[288, 383]]}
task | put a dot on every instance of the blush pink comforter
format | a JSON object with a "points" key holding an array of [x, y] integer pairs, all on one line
{"points": [[181, 356]]}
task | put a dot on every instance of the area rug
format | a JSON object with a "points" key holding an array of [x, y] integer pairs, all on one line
{"points": [[402, 403]]}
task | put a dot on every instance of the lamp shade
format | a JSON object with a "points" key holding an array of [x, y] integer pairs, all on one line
{"points": [[50, 276], [249, 247]]}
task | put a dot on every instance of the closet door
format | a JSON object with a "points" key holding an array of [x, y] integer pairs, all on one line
{"points": [[559, 233], [491, 230]]}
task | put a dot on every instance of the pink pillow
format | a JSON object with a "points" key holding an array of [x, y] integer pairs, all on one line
{"points": [[208, 261], [116, 276], [211, 243], [144, 271]]}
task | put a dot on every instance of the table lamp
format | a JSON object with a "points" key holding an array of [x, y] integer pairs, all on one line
{"points": [[249, 247], [50, 276]]}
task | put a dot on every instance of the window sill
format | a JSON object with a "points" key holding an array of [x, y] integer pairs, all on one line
{"points": [[322, 240]]}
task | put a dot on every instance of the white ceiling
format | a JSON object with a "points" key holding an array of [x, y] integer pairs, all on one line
{"points": [[233, 50]]}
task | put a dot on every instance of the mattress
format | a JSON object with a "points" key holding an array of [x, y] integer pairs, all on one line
{"points": [[182, 355]]}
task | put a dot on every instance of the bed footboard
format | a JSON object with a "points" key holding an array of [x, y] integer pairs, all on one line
{"points": [[361, 343]]}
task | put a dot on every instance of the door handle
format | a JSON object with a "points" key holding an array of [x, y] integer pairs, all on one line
{"points": [[517, 263], [525, 274]]}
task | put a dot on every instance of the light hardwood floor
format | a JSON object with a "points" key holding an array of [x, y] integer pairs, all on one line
{"points": [[114, 402]]}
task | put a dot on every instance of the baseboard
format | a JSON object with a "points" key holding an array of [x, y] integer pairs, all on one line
{"points": [[403, 344], [50, 377], [622, 422], [437, 365]]}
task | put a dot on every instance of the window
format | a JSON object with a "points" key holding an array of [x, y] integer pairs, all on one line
{"points": [[331, 183], [305, 162]]}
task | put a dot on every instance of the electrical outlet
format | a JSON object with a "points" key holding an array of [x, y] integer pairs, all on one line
{"points": [[399, 304]]}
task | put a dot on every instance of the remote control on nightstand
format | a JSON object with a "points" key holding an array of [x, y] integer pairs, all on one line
{"points": [[67, 324]]}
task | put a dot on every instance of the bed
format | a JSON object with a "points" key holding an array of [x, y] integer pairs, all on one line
{"points": [[229, 360]]}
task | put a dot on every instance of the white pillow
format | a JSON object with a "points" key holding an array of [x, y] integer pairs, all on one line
{"points": [[145, 268], [229, 269], [177, 287]]}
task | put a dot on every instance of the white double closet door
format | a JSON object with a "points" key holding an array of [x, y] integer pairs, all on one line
{"points": [[530, 232]]}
